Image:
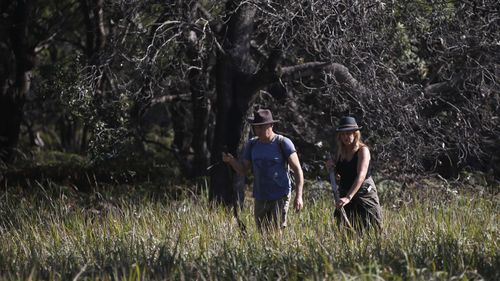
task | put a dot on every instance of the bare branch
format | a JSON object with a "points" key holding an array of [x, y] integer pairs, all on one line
{"points": [[339, 71]]}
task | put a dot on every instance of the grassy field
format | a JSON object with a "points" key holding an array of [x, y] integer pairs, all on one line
{"points": [[52, 232]]}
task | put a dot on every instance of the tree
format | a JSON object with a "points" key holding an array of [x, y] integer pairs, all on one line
{"points": [[30, 31], [239, 79], [17, 61], [415, 74], [228, 56]]}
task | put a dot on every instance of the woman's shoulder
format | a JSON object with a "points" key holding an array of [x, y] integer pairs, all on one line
{"points": [[363, 150], [363, 147]]}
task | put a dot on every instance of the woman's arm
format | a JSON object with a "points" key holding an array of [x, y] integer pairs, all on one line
{"points": [[363, 163]]}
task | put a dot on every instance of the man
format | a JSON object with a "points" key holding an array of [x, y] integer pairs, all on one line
{"points": [[269, 155]]}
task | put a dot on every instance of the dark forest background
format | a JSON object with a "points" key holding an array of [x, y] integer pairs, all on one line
{"points": [[96, 91]]}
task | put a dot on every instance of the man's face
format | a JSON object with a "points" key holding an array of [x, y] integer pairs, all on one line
{"points": [[262, 130]]}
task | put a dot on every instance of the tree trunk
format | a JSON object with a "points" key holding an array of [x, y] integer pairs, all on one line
{"points": [[11, 112], [96, 38], [17, 61], [234, 94], [200, 97], [201, 114], [229, 125]]}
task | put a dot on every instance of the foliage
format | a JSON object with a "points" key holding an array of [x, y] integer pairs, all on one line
{"points": [[431, 95], [430, 233], [75, 171], [428, 69]]}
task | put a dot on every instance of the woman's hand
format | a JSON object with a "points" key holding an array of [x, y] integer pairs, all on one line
{"points": [[329, 164], [343, 201]]}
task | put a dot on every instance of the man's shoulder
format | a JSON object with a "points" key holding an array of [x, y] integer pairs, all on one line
{"points": [[283, 139], [253, 140]]}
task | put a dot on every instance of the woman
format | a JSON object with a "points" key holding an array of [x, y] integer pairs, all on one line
{"points": [[358, 194]]}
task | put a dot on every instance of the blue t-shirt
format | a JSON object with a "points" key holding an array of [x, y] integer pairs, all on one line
{"points": [[270, 170]]}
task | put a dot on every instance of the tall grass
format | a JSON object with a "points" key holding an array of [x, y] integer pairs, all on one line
{"points": [[131, 235]]}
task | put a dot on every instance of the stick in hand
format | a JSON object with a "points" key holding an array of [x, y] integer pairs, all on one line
{"points": [[336, 195]]}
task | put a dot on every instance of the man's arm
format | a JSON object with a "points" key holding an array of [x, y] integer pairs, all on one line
{"points": [[293, 161], [241, 168]]}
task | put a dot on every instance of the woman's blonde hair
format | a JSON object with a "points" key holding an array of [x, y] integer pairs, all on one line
{"points": [[342, 151]]}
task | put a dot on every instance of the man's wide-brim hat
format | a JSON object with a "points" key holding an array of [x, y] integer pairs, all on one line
{"points": [[261, 117], [347, 124]]}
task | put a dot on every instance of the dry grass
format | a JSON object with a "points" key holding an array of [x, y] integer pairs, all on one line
{"points": [[127, 234]]}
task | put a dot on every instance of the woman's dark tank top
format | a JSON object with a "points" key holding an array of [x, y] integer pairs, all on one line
{"points": [[348, 171]]}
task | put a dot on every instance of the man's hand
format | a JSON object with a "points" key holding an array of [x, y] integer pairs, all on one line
{"points": [[227, 157], [299, 204], [240, 168]]}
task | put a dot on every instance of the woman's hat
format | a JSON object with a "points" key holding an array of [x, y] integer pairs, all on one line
{"points": [[261, 117], [347, 124]]}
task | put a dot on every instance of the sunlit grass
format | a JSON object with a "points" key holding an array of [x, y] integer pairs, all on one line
{"points": [[128, 235]]}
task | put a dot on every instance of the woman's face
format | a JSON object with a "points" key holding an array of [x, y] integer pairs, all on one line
{"points": [[347, 138]]}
